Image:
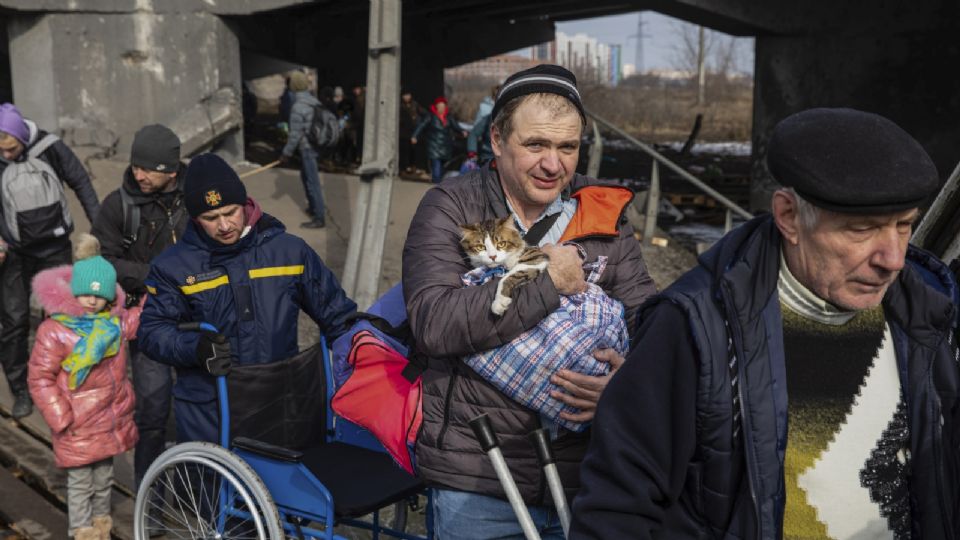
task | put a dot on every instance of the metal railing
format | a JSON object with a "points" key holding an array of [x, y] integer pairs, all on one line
{"points": [[653, 195]]}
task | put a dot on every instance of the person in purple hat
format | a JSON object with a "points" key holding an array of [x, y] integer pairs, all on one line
{"points": [[34, 230]]}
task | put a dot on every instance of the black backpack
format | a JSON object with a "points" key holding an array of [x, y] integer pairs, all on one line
{"points": [[324, 129]]}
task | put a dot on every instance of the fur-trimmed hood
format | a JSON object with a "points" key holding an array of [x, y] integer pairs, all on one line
{"points": [[52, 287]]}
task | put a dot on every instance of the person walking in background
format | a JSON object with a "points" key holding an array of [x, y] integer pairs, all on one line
{"points": [[35, 230], [410, 114], [78, 378], [438, 129], [301, 117], [286, 103], [479, 149], [151, 193], [357, 121], [486, 105]]}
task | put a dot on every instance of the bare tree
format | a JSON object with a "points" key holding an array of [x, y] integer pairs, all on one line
{"points": [[705, 55]]}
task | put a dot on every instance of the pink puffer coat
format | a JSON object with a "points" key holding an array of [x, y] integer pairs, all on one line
{"points": [[95, 421]]}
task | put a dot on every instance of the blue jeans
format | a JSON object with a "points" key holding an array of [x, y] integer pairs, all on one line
{"points": [[436, 170], [311, 182], [469, 516]]}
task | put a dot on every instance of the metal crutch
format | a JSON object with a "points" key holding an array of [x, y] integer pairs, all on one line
{"points": [[541, 441], [488, 442]]}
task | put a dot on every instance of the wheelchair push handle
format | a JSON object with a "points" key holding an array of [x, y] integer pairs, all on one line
{"points": [[222, 393], [204, 327]]}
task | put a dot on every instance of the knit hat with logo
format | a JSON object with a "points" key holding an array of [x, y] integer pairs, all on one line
{"points": [[210, 184]]}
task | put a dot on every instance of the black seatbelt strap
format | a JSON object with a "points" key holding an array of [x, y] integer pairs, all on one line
{"points": [[540, 229]]}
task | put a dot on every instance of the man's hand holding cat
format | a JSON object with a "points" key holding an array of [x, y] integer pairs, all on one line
{"points": [[583, 391], [566, 269]]}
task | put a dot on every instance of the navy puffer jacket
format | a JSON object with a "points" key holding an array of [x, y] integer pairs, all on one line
{"points": [[252, 291]]}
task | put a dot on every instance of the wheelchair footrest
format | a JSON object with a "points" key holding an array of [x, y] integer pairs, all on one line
{"points": [[268, 450]]}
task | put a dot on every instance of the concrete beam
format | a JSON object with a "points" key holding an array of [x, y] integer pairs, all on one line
{"points": [[789, 17], [205, 124], [910, 78], [103, 76], [217, 7]]}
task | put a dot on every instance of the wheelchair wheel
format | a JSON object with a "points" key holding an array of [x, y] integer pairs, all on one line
{"points": [[199, 490]]}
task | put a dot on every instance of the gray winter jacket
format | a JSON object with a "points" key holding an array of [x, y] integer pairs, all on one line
{"points": [[450, 321], [301, 116]]}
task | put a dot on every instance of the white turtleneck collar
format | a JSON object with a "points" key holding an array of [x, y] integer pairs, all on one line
{"points": [[807, 304]]}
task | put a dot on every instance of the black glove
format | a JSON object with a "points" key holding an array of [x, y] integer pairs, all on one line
{"points": [[213, 354]]}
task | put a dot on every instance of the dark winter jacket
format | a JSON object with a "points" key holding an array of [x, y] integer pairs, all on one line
{"points": [[438, 137], [450, 321], [664, 461], [410, 115], [71, 172], [163, 219], [301, 116], [252, 291]]}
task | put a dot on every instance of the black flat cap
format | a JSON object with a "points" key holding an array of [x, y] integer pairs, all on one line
{"points": [[851, 161]]}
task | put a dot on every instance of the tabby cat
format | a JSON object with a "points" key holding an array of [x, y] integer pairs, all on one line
{"points": [[497, 242]]}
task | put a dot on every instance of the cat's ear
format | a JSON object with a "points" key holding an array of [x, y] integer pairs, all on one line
{"points": [[506, 222], [469, 228]]}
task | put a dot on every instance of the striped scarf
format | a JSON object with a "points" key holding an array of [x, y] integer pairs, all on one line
{"points": [[99, 338]]}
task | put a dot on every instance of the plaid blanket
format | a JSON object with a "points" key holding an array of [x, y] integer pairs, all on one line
{"points": [[565, 339]]}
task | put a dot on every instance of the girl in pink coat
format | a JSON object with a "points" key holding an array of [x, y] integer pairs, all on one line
{"points": [[78, 380]]}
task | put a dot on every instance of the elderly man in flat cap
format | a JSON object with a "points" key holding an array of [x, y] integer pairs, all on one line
{"points": [[802, 380], [537, 123]]}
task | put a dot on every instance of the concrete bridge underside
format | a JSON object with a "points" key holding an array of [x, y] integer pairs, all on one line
{"points": [[99, 69]]}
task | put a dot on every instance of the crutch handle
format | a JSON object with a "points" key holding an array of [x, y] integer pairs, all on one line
{"points": [[541, 442], [483, 429]]}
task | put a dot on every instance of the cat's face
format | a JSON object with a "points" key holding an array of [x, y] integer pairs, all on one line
{"points": [[491, 243]]}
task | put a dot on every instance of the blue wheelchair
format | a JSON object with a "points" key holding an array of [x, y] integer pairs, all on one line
{"points": [[247, 489]]}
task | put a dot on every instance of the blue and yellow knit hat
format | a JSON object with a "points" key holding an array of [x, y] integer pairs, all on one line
{"points": [[92, 274]]}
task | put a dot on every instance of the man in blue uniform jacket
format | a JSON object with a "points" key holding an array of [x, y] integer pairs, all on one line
{"points": [[238, 269]]}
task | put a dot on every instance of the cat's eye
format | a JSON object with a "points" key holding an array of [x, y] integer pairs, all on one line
{"points": [[478, 249], [501, 245]]}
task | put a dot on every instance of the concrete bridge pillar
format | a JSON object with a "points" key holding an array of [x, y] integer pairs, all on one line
{"points": [[910, 77], [99, 77]]}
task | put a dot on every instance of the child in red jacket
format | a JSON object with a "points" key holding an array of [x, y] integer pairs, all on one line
{"points": [[78, 380]]}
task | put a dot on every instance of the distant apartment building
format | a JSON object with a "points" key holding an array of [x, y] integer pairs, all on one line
{"points": [[590, 60], [584, 55], [495, 68]]}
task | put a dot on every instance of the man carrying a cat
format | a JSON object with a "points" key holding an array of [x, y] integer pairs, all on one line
{"points": [[536, 131]]}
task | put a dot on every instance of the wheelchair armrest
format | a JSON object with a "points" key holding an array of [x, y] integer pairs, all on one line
{"points": [[268, 450]]}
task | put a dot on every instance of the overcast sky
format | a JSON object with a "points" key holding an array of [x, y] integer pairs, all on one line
{"points": [[660, 40]]}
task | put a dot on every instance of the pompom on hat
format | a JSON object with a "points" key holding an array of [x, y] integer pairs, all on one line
{"points": [[92, 274]]}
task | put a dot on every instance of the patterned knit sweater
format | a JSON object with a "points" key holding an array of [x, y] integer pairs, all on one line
{"points": [[847, 460]]}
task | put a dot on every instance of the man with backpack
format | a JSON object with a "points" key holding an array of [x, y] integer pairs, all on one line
{"points": [[35, 227], [138, 221], [312, 126]]}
